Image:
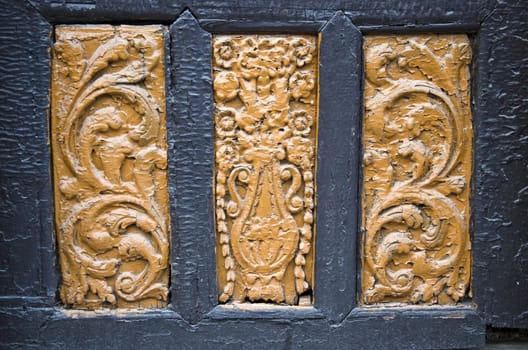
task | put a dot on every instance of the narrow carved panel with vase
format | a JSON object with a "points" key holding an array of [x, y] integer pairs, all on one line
{"points": [[265, 90], [417, 139], [109, 158]]}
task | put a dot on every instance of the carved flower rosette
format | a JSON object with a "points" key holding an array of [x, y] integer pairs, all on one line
{"points": [[109, 147], [265, 125], [417, 168]]}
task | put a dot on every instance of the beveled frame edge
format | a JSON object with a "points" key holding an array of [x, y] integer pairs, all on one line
{"points": [[328, 298]]}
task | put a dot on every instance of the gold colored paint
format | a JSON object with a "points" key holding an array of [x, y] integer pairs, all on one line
{"points": [[417, 168], [109, 158], [265, 90]]}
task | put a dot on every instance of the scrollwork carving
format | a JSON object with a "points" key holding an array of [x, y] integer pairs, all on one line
{"points": [[109, 153], [417, 168], [265, 121]]}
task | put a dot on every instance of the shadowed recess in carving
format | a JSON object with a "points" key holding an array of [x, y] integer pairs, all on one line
{"points": [[417, 136], [109, 159], [265, 90]]}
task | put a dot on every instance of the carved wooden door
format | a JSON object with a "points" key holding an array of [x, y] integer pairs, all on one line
{"points": [[254, 174]]}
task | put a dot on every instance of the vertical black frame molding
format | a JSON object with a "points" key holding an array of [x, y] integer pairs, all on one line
{"points": [[500, 187], [27, 248], [30, 315], [337, 206], [191, 169]]}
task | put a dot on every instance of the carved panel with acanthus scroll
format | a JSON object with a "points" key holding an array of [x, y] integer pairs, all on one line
{"points": [[109, 158], [265, 89], [417, 169]]}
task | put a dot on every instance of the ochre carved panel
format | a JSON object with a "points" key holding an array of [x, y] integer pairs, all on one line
{"points": [[109, 158], [417, 168], [265, 90]]}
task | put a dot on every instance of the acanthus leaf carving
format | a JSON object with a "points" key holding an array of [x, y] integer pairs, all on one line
{"points": [[265, 122], [109, 153], [417, 167]]}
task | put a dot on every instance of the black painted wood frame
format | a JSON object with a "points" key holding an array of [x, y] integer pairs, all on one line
{"points": [[31, 315]]}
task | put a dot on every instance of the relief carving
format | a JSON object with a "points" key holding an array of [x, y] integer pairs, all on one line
{"points": [[265, 89], [109, 158], [417, 169]]}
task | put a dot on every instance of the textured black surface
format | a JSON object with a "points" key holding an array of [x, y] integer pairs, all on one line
{"points": [[400, 329], [372, 13], [26, 248], [191, 169], [500, 199], [337, 167], [28, 275]]}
